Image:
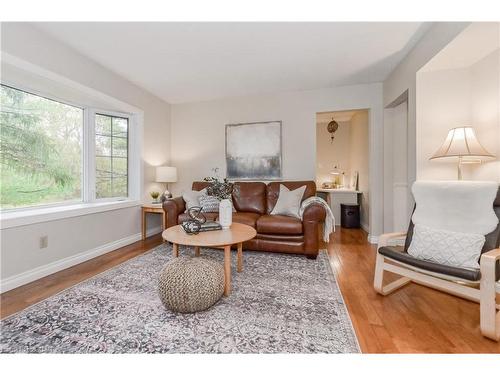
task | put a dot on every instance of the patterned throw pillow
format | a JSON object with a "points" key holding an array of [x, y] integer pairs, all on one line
{"points": [[454, 249], [288, 203], [209, 203]]}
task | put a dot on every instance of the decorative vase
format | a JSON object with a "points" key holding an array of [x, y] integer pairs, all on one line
{"points": [[225, 213]]}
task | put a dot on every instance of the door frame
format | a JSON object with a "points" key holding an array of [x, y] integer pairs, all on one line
{"points": [[388, 166]]}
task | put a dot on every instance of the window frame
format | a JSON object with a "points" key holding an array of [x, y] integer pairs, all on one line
{"points": [[91, 162], [87, 175]]}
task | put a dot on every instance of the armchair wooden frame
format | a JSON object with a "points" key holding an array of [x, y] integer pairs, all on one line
{"points": [[483, 292]]}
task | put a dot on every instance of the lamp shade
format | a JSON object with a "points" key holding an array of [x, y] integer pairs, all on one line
{"points": [[166, 174], [336, 171], [461, 142]]}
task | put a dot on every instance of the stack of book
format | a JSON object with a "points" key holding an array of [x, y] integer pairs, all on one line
{"points": [[210, 225]]}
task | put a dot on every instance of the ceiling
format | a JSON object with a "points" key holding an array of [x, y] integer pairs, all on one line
{"points": [[479, 40], [184, 62]]}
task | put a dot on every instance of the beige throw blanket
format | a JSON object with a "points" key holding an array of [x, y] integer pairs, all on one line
{"points": [[329, 226]]}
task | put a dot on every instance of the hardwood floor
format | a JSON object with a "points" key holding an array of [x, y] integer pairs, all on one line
{"points": [[411, 320]]}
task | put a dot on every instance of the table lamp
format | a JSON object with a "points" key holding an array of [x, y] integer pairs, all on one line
{"points": [[462, 143], [166, 174], [339, 176]]}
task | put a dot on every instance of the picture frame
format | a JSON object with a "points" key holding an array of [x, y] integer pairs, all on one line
{"points": [[354, 180], [254, 150]]}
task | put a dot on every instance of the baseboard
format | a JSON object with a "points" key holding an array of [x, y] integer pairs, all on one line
{"points": [[61, 264], [365, 227], [372, 239]]}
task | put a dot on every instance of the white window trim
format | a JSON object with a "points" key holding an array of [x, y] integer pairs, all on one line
{"points": [[60, 210], [90, 165], [36, 215]]}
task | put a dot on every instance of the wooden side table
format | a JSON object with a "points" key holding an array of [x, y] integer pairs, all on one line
{"points": [[153, 208]]}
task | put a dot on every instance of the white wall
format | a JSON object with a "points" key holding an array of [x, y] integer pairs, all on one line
{"points": [[359, 145], [198, 133], [443, 103], [485, 109], [71, 241], [454, 97], [328, 154], [78, 238], [403, 78]]}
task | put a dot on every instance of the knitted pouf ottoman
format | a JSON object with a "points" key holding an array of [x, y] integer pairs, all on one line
{"points": [[189, 284]]}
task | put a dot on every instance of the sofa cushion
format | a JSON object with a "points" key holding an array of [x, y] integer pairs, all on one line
{"points": [[273, 191], [247, 218], [298, 238], [209, 215], [250, 197], [279, 224]]}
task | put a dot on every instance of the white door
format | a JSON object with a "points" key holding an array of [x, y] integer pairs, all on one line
{"points": [[400, 186]]}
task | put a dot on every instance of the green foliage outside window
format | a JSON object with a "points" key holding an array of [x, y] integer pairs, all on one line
{"points": [[111, 156], [40, 150]]}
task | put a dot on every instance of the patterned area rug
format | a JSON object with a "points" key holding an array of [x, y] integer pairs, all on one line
{"points": [[279, 304]]}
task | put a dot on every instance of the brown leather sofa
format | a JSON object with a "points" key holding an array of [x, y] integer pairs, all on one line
{"points": [[253, 202]]}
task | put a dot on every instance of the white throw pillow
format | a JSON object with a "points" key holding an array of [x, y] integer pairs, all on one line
{"points": [[192, 198], [445, 247], [288, 203]]}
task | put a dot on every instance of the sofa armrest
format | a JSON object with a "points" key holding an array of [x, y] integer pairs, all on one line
{"points": [[314, 213], [384, 239], [173, 207]]}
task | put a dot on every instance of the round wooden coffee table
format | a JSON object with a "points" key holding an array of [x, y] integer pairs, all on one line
{"points": [[235, 235]]}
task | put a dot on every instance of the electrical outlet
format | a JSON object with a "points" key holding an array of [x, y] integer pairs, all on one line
{"points": [[44, 242]]}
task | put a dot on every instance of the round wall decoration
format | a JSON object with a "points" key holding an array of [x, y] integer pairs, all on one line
{"points": [[332, 128]]}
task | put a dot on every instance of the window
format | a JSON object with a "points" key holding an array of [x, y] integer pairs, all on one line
{"points": [[40, 150], [111, 156], [55, 153]]}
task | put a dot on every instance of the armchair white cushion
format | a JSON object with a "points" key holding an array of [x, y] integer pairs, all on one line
{"points": [[454, 249]]}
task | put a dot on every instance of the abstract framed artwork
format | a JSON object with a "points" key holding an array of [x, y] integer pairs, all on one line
{"points": [[253, 151]]}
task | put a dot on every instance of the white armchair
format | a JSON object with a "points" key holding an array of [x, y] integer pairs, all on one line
{"points": [[481, 285]]}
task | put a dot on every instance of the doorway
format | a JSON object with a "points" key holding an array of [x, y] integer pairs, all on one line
{"points": [[342, 161]]}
